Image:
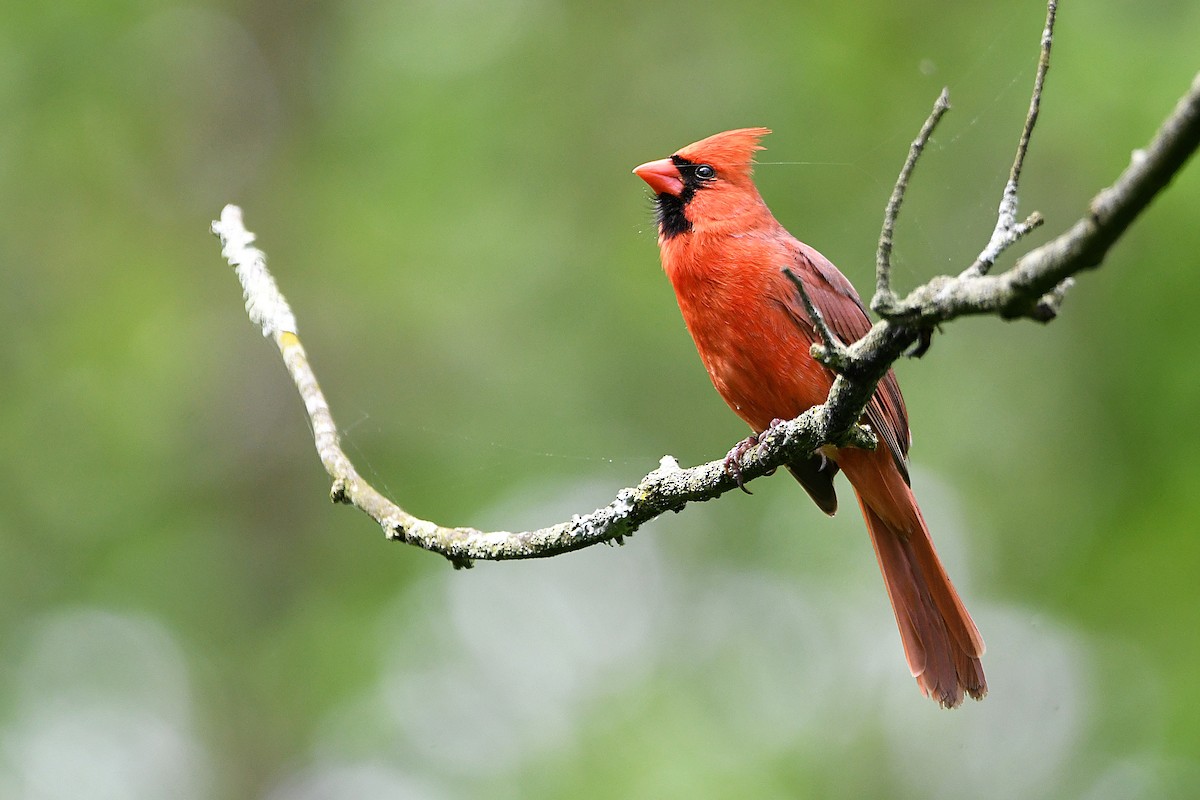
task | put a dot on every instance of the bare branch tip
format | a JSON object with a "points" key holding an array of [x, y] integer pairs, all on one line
{"points": [[943, 101], [1048, 305], [883, 253]]}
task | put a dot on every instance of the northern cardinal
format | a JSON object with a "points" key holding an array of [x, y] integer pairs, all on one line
{"points": [[724, 253]]}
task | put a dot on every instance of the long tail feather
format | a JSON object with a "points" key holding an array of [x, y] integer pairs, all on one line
{"points": [[941, 643], [942, 662]]}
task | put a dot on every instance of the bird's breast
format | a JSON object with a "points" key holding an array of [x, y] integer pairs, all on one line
{"points": [[756, 354]]}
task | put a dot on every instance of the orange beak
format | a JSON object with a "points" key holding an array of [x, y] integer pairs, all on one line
{"points": [[662, 175]]}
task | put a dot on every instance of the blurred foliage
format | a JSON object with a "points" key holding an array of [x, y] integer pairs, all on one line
{"points": [[444, 191]]}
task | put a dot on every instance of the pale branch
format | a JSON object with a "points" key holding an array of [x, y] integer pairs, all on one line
{"points": [[668, 488], [885, 298], [1008, 231], [1033, 287]]}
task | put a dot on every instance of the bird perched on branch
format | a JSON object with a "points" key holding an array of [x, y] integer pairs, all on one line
{"points": [[724, 253]]}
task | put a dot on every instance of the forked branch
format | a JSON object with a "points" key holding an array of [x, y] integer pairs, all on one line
{"points": [[1034, 287]]}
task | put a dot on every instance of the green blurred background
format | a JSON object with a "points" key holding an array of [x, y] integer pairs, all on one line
{"points": [[444, 192]]}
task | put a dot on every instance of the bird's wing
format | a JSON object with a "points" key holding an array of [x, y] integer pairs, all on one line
{"points": [[834, 296]]}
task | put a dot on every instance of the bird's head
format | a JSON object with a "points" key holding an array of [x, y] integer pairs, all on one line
{"points": [[706, 183]]}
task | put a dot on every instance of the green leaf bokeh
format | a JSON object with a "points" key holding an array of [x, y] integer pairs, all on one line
{"points": [[443, 190]]}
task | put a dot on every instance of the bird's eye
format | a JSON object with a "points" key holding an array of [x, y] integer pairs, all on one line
{"points": [[704, 172]]}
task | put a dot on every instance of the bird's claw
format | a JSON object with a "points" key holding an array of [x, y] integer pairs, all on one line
{"points": [[924, 340], [733, 459]]}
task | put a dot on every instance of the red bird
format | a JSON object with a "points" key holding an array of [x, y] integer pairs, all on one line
{"points": [[724, 253]]}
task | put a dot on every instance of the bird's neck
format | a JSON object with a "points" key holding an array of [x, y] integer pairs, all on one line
{"points": [[715, 246]]}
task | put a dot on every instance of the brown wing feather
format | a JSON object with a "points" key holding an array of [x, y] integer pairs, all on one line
{"points": [[829, 290], [816, 476]]}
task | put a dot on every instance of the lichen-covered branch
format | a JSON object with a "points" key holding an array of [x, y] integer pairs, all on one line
{"points": [[667, 488], [884, 296], [1008, 231], [1034, 287]]}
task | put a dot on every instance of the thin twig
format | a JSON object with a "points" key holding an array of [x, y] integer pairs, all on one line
{"points": [[1048, 305], [1008, 231], [832, 351], [1022, 290], [885, 298]]}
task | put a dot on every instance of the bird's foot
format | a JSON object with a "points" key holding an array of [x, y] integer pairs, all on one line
{"points": [[924, 340], [733, 459]]}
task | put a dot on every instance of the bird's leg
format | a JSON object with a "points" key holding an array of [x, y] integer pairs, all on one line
{"points": [[924, 340], [733, 459]]}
